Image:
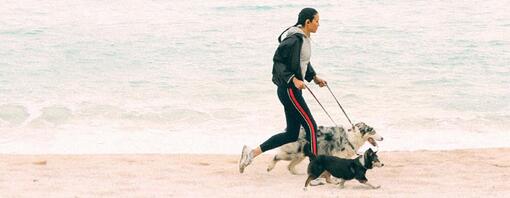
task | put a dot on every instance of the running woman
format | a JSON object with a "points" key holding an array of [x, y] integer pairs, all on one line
{"points": [[291, 65]]}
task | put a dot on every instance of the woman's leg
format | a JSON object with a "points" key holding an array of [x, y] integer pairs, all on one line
{"points": [[305, 118], [297, 114], [291, 133]]}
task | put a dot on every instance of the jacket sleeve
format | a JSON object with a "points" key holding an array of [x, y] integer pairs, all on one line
{"points": [[310, 72], [281, 60]]}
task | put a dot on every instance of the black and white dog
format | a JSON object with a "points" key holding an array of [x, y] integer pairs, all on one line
{"points": [[330, 140], [344, 169], [334, 141]]}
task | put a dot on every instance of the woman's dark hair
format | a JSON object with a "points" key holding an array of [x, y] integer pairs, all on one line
{"points": [[306, 13]]}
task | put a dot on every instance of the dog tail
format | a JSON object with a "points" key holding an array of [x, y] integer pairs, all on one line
{"points": [[308, 152]]}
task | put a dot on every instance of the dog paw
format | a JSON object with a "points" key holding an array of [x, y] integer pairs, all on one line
{"points": [[377, 187], [305, 189], [294, 172], [270, 167]]}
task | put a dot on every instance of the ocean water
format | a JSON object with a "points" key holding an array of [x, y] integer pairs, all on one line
{"points": [[143, 76]]}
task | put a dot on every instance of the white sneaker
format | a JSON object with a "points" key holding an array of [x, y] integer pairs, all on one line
{"points": [[318, 181], [246, 158]]}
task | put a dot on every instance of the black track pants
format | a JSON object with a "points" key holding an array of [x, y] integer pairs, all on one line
{"points": [[297, 114]]}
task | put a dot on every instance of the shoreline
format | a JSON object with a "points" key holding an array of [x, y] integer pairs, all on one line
{"points": [[466, 172]]}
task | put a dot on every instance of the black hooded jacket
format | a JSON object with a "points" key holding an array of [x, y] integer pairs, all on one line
{"points": [[286, 62]]}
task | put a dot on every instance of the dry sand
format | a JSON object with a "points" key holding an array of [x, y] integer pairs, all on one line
{"points": [[466, 173]]}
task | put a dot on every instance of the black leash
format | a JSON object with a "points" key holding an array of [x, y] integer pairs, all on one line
{"points": [[340, 106], [321, 105], [349, 142]]}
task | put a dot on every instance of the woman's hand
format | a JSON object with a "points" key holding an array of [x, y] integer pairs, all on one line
{"points": [[298, 83], [321, 82]]}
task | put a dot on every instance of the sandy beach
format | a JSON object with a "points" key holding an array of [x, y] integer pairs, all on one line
{"points": [[466, 173]]}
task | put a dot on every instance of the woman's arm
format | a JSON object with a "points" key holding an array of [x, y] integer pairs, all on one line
{"points": [[310, 72], [311, 75]]}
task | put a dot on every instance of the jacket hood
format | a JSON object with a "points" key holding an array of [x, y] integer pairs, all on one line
{"points": [[294, 30]]}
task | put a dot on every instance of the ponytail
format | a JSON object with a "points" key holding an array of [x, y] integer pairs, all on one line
{"points": [[305, 14], [280, 37]]}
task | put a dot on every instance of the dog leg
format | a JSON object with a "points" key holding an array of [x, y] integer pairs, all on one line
{"points": [[278, 157], [310, 178], [319, 180], [370, 185], [272, 164], [328, 178], [341, 183], [293, 163]]}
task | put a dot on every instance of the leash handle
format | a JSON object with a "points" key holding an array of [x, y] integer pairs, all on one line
{"points": [[320, 104], [340, 105]]}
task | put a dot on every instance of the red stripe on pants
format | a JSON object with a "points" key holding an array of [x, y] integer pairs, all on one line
{"points": [[308, 121]]}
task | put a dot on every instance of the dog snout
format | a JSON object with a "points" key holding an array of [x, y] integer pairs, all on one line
{"points": [[378, 137], [378, 163]]}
